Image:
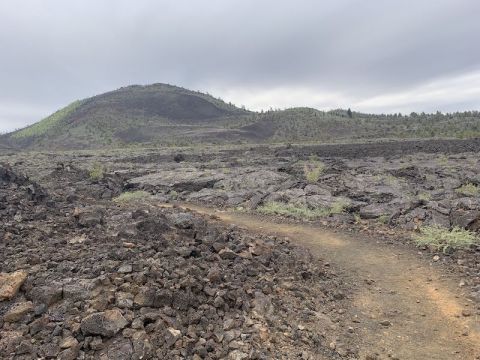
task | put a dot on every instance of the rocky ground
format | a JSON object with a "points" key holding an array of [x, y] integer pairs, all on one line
{"points": [[92, 278], [390, 190], [82, 277]]}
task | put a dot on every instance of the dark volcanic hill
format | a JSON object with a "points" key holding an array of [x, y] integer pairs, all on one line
{"points": [[162, 114], [134, 114]]}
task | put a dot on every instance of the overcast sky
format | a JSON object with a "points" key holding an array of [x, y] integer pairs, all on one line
{"points": [[370, 55]]}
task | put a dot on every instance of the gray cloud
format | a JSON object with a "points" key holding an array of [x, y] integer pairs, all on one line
{"points": [[374, 55]]}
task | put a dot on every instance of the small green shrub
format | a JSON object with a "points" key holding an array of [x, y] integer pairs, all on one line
{"points": [[301, 211], [97, 172], [296, 211], [440, 238], [391, 180], [424, 196], [442, 160], [173, 195], [313, 170], [384, 219], [469, 190], [131, 196], [338, 207]]}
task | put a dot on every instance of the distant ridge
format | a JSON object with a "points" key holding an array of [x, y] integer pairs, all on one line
{"points": [[162, 114]]}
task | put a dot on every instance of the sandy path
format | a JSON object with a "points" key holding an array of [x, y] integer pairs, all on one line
{"points": [[422, 306]]}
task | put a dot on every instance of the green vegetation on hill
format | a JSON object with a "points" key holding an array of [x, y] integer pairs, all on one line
{"points": [[305, 124], [163, 114], [43, 126]]}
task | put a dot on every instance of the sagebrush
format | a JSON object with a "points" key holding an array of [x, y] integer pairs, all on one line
{"points": [[469, 189], [300, 211], [131, 196], [443, 239]]}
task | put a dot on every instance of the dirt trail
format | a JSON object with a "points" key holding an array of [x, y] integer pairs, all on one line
{"points": [[422, 306]]}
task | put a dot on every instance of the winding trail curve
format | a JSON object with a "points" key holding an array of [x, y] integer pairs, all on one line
{"points": [[420, 308]]}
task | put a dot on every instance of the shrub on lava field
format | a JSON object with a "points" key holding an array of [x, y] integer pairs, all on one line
{"points": [[424, 196], [300, 211], [97, 172], [384, 219], [296, 211], [469, 190], [443, 239], [313, 170], [338, 207], [131, 196], [173, 195]]}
